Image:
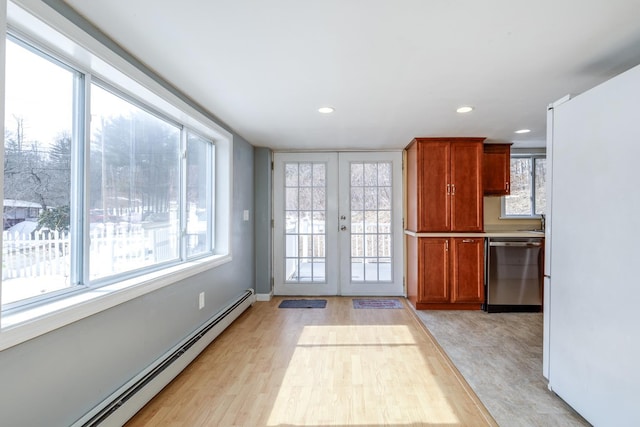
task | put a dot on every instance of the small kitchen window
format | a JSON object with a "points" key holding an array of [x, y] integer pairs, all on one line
{"points": [[528, 187]]}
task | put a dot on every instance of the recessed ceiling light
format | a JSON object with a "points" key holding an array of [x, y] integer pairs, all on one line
{"points": [[523, 131], [464, 109], [326, 110]]}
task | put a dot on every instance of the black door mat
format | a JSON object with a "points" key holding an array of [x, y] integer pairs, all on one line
{"points": [[303, 303], [377, 303]]}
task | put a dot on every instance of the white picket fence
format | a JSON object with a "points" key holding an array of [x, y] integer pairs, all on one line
{"points": [[40, 263], [113, 249], [35, 255]]}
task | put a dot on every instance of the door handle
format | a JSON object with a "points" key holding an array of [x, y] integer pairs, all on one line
{"points": [[343, 228], [516, 244]]}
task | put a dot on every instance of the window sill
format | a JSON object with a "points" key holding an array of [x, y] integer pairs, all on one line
{"points": [[23, 325], [527, 217]]}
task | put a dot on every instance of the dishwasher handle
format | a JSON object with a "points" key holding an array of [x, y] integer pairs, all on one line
{"points": [[516, 244]]}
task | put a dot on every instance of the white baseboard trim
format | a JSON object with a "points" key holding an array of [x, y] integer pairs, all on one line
{"points": [[264, 297], [123, 404]]}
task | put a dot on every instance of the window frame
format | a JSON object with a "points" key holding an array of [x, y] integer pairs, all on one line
{"points": [[38, 25], [210, 191], [534, 157], [86, 250]]}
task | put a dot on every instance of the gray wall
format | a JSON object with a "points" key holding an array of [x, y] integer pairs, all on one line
{"points": [[262, 218], [54, 379]]}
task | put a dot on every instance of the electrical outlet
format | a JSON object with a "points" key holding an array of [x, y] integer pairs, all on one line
{"points": [[201, 301], [245, 215]]}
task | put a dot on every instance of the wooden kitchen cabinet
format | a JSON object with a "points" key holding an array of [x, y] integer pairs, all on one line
{"points": [[445, 273], [444, 184], [467, 271], [496, 172], [444, 195], [433, 270]]}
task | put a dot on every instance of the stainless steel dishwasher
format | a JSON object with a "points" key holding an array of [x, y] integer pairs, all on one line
{"points": [[514, 274]]}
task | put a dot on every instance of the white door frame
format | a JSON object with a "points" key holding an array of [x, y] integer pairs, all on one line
{"points": [[394, 286], [338, 243], [330, 285]]}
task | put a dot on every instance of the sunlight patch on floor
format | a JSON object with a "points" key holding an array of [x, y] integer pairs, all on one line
{"points": [[360, 375]]}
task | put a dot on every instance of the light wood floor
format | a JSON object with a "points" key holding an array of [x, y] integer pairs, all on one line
{"points": [[337, 366]]}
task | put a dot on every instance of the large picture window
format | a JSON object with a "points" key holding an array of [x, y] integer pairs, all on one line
{"points": [[94, 192], [135, 183], [36, 250]]}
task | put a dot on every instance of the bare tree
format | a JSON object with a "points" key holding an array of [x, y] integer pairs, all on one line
{"points": [[37, 175]]}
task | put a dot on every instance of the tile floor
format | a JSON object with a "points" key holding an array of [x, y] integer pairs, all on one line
{"points": [[500, 356]]}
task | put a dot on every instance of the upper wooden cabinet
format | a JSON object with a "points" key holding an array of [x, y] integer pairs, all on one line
{"points": [[444, 184], [496, 174]]}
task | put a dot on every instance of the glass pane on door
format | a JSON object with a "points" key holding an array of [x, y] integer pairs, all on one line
{"points": [[305, 216], [371, 213]]}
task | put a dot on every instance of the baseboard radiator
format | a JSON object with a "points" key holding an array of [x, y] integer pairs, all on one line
{"points": [[118, 408]]}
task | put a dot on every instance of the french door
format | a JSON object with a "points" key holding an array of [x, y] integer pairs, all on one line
{"points": [[338, 223]]}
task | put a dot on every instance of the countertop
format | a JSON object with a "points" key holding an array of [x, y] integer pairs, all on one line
{"points": [[489, 232]]}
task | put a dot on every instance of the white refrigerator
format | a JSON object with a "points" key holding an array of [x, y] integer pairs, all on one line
{"points": [[592, 268]]}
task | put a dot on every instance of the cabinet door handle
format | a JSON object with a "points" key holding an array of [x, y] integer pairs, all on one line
{"points": [[448, 189], [453, 189], [506, 186], [468, 241]]}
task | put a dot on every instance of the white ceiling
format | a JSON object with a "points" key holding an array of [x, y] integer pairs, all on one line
{"points": [[392, 69]]}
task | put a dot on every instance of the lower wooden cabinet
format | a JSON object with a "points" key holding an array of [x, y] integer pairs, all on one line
{"points": [[445, 273]]}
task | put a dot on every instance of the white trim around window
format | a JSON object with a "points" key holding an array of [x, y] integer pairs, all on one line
{"points": [[534, 200]]}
